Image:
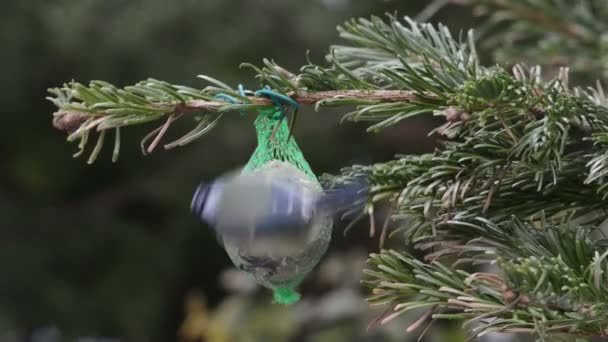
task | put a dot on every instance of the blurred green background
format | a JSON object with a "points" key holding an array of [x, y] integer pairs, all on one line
{"points": [[110, 251]]}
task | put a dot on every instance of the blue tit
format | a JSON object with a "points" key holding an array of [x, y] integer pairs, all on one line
{"points": [[269, 213], [250, 209]]}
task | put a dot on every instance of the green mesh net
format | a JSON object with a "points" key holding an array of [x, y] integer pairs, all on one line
{"points": [[286, 296], [277, 147], [274, 143]]}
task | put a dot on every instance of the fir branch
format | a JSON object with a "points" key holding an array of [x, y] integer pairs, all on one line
{"points": [[376, 45], [387, 95], [101, 106], [519, 180], [536, 12], [534, 132], [67, 120], [546, 32], [523, 301]]}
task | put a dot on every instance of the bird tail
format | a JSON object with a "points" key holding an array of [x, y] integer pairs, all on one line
{"points": [[345, 197]]}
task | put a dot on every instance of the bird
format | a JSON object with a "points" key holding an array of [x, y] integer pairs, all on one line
{"points": [[268, 210]]}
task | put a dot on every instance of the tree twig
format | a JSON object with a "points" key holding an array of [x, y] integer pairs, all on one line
{"points": [[536, 16], [67, 120], [429, 11]]}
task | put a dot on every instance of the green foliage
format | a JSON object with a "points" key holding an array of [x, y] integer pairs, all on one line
{"points": [[101, 106], [109, 251], [547, 32], [485, 301], [519, 147], [518, 181]]}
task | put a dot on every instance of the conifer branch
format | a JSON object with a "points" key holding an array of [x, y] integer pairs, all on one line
{"points": [[520, 180], [435, 64], [69, 120], [535, 13], [546, 32], [535, 295]]}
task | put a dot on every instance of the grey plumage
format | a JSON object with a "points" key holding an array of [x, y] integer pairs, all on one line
{"points": [[255, 209]]}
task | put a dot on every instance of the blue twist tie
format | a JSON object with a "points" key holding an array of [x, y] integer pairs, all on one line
{"points": [[276, 99], [227, 97], [231, 99]]}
